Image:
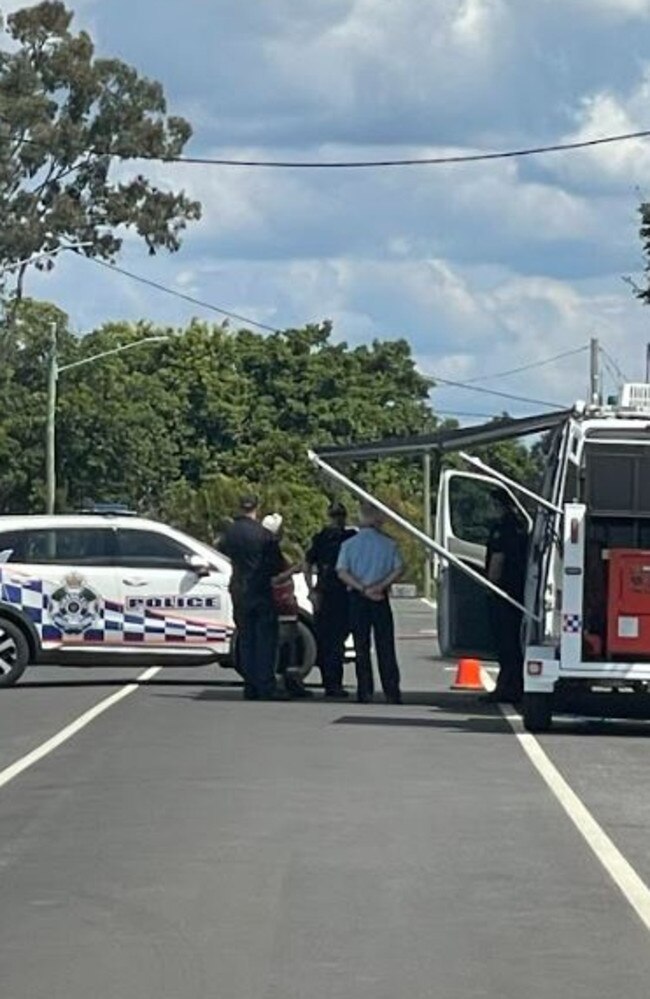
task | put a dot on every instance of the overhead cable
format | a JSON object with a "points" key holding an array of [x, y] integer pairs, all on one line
{"points": [[181, 294], [436, 379], [529, 367], [556, 147]]}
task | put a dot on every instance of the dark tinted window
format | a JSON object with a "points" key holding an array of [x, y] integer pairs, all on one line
{"points": [[141, 548], [618, 480], [472, 512], [58, 546]]}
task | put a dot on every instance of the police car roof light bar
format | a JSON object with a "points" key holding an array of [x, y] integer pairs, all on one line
{"points": [[416, 532], [107, 509], [499, 477]]}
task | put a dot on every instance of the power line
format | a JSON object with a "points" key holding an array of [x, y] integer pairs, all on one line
{"points": [[179, 294], [556, 147], [503, 395], [607, 357], [529, 367], [272, 329]]}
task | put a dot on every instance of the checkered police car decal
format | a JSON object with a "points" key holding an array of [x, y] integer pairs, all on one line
{"points": [[572, 624], [112, 624]]}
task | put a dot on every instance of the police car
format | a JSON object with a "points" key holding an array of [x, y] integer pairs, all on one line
{"points": [[110, 589]]}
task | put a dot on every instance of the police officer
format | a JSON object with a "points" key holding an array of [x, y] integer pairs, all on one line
{"points": [[330, 599], [506, 568], [256, 560]]}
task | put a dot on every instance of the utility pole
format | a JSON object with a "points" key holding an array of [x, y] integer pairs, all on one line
{"points": [[426, 468], [595, 382], [50, 431]]}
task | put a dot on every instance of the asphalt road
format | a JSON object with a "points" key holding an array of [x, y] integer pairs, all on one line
{"points": [[186, 844]]}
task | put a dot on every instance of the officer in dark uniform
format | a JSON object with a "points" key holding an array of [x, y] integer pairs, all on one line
{"points": [[330, 599], [256, 560], [506, 567]]}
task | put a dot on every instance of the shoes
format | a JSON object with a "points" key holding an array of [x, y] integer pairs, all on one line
{"points": [[394, 699], [337, 694], [275, 695], [364, 698], [250, 694], [298, 692]]}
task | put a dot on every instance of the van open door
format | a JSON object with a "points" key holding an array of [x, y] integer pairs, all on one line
{"points": [[464, 518]]}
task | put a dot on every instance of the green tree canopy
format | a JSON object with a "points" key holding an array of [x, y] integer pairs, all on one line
{"points": [[65, 117], [179, 429]]}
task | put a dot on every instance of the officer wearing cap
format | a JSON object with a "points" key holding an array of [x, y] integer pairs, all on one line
{"points": [[329, 598], [256, 560]]}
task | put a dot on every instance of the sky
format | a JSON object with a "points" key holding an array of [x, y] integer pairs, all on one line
{"points": [[483, 267]]}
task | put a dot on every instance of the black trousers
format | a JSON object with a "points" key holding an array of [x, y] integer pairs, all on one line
{"points": [[506, 626], [332, 622], [374, 618], [257, 637]]}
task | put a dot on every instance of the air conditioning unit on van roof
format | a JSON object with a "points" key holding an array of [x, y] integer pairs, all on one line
{"points": [[636, 396]]}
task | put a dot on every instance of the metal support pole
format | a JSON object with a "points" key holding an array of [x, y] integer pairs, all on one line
{"points": [[595, 383], [426, 469], [50, 432]]}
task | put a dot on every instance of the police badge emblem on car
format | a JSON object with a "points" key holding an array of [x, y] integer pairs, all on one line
{"points": [[74, 606]]}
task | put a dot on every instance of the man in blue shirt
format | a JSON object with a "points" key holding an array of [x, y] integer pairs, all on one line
{"points": [[369, 564]]}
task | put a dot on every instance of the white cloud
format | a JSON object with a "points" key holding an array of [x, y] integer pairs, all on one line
{"points": [[617, 8]]}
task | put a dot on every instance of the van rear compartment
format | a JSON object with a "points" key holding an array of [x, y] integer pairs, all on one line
{"points": [[628, 603]]}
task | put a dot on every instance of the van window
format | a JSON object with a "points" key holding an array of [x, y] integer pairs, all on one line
{"points": [[471, 509], [59, 546]]}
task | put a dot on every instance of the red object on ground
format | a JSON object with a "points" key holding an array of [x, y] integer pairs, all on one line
{"points": [[468, 675], [628, 602]]}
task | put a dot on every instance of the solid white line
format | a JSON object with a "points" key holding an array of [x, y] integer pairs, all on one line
{"points": [[429, 603], [19, 767], [619, 869], [634, 889]]}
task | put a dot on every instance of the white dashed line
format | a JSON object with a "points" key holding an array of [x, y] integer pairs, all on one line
{"points": [[632, 886], [19, 767]]}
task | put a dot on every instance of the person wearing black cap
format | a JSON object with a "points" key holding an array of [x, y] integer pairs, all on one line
{"points": [[256, 560], [330, 598], [506, 567]]}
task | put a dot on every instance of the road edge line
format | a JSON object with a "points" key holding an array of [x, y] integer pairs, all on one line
{"points": [[25, 762], [630, 884]]}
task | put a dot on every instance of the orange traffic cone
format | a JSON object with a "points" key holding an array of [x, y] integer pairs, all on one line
{"points": [[468, 675]]}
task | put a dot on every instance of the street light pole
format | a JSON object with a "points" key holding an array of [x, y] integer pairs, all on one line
{"points": [[53, 372], [50, 432]]}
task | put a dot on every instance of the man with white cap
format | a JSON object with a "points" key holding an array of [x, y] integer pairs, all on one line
{"points": [[287, 609]]}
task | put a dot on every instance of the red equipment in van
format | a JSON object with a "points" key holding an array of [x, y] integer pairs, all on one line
{"points": [[628, 602]]}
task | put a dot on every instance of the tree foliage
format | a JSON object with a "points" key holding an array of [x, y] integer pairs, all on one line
{"points": [[66, 116], [179, 429]]}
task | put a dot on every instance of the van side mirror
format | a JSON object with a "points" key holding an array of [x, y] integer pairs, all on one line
{"points": [[198, 565]]}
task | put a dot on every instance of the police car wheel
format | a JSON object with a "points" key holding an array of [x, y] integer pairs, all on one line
{"points": [[306, 650], [537, 710], [14, 653]]}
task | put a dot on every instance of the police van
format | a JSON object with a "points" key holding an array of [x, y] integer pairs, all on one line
{"points": [[114, 589], [586, 610]]}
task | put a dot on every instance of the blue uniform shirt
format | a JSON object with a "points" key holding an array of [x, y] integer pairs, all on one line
{"points": [[370, 556]]}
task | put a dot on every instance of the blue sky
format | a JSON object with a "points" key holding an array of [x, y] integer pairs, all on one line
{"points": [[482, 267]]}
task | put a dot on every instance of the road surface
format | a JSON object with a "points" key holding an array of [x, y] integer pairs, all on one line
{"points": [[185, 844]]}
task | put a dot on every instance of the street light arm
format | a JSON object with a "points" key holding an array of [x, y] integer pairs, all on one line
{"points": [[114, 350]]}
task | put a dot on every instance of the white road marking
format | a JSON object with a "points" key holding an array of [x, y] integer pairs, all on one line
{"points": [[429, 603], [633, 887], [19, 767]]}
